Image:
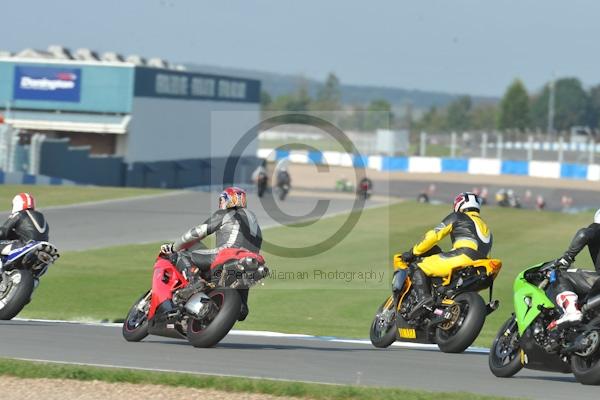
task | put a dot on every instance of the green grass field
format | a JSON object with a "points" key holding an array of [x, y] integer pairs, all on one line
{"points": [[47, 196], [34, 370], [102, 284]]}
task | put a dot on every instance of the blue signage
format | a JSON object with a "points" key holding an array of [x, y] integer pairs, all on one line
{"points": [[153, 82], [47, 83]]}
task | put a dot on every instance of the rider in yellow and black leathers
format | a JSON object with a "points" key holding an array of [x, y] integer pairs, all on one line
{"points": [[471, 240]]}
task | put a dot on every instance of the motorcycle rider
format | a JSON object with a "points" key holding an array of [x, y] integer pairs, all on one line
{"points": [[282, 173], [562, 289], [260, 177], [234, 227], [471, 240], [365, 186], [25, 223]]}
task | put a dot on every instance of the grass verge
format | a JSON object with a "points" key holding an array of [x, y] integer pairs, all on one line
{"points": [[28, 369], [334, 293], [47, 196]]}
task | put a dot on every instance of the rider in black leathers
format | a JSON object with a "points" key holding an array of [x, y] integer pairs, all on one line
{"points": [[234, 227], [23, 224], [569, 284]]}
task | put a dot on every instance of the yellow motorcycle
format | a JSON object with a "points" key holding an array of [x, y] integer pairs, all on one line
{"points": [[455, 319]]}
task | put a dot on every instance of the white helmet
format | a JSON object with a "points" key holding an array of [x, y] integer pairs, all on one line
{"points": [[597, 217], [22, 201], [467, 201]]}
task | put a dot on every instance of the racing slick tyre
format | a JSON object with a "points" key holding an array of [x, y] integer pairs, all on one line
{"points": [[208, 332], [505, 353], [383, 327], [587, 368], [15, 292], [135, 327], [465, 329]]}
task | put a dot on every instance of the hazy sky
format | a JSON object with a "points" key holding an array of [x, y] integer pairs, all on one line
{"points": [[471, 46]]}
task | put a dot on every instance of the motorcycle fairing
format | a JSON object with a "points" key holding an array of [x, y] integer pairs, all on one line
{"points": [[165, 280], [229, 254], [528, 299], [539, 359]]}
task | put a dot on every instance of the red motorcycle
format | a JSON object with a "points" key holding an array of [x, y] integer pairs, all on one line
{"points": [[203, 310]]}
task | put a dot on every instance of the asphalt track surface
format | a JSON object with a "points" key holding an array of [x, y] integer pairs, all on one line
{"points": [[292, 358], [287, 358]]}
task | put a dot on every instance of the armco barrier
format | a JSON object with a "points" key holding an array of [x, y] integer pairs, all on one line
{"points": [[476, 166]]}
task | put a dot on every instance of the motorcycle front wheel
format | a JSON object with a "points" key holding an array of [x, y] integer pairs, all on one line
{"points": [[135, 327], [207, 333], [463, 332], [383, 327], [15, 292], [505, 353]]}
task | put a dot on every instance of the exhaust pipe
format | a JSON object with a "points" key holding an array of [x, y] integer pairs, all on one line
{"points": [[592, 303], [198, 305]]}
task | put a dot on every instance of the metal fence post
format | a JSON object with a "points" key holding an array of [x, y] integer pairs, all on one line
{"points": [[484, 139], [591, 149], [560, 149], [499, 144], [529, 148], [423, 144], [453, 145]]}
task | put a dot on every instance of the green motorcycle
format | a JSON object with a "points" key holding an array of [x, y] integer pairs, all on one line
{"points": [[525, 340]]}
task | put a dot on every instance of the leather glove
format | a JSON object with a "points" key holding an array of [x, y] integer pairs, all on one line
{"points": [[408, 256], [563, 262], [167, 248]]}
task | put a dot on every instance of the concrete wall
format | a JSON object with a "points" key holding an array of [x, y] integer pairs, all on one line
{"points": [[170, 129], [58, 159]]}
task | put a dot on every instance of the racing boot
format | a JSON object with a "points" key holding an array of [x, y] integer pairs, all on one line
{"points": [[424, 298], [190, 272], [244, 308], [567, 301]]}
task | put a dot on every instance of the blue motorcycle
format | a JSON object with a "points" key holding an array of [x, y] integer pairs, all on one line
{"points": [[22, 268]]}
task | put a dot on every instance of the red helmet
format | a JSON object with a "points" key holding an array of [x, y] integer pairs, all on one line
{"points": [[232, 197], [23, 201], [467, 201]]}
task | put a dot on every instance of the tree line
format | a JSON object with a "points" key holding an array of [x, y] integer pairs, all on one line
{"points": [[520, 111], [376, 114]]}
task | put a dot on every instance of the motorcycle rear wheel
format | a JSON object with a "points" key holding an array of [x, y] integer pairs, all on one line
{"points": [[505, 358], [135, 327], [201, 334], [586, 369], [17, 294], [383, 336], [467, 328]]}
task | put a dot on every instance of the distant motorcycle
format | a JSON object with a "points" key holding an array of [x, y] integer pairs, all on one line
{"points": [[344, 185], [283, 184], [526, 341], [201, 311], [22, 269], [261, 183], [365, 189]]}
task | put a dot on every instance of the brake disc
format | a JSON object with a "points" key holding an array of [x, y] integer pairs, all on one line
{"points": [[593, 339], [454, 312]]}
